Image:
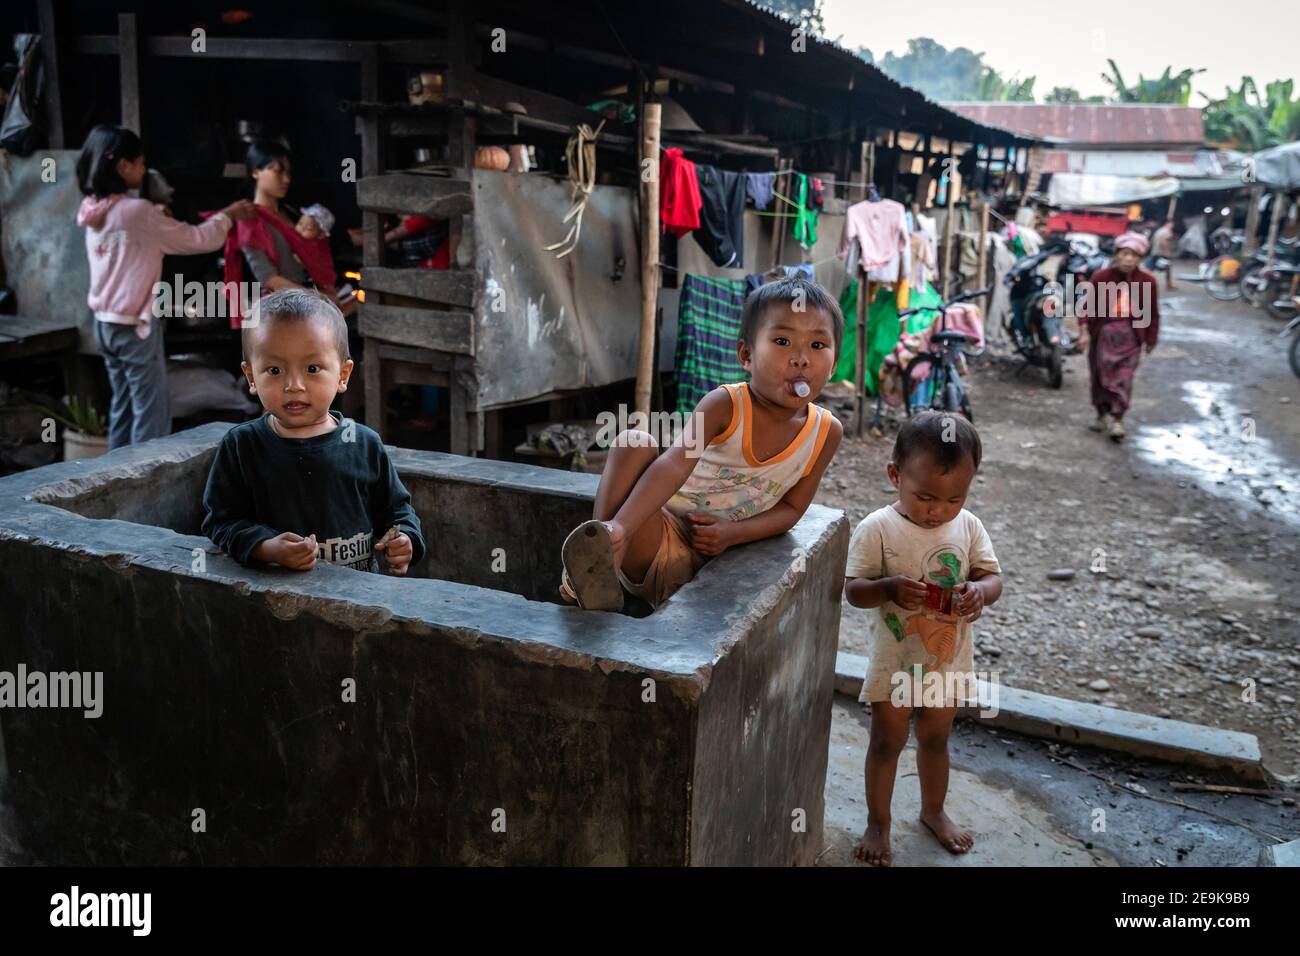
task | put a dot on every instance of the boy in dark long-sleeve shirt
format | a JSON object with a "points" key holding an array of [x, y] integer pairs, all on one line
{"points": [[302, 484]]}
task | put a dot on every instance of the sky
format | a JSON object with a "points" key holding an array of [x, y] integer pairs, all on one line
{"points": [[1067, 44]]}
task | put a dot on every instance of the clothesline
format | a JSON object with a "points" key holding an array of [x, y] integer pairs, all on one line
{"points": [[814, 264], [852, 183], [783, 172]]}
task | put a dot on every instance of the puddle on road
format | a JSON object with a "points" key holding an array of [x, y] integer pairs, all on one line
{"points": [[1191, 333], [1219, 452]]}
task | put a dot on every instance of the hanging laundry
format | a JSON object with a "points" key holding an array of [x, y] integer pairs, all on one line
{"points": [[883, 329], [722, 216], [925, 254], [758, 186], [802, 271], [708, 325], [805, 214], [679, 194], [897, 269], [881, 231]]}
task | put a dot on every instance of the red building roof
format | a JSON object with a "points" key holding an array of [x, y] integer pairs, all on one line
{"points": [[1093, 124]]}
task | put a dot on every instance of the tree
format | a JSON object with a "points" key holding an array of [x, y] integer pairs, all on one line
{"points": [[1244, 120], [994, 89], [807, 13], [1063, 94], [1166, 88], [940, 73]]}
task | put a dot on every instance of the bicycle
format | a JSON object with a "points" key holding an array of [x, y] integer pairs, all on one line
{"points": [[947, 392], [1223, 275]]}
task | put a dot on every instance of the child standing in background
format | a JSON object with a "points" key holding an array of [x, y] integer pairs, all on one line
{"points": [[921, 551], [126, 240]]}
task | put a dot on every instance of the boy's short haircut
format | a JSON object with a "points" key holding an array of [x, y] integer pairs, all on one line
{"points": [[295, 304], [946, 436], [785, 292]]}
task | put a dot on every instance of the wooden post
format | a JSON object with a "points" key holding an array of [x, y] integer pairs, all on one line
{"points": [[783, 183], [945, 264], [860, 364], [1274, 223], [128, 65], [645, 371], [50, 61], [864, 171], [372, 248], [981, 271], [1252, 217], [1173, 204]]}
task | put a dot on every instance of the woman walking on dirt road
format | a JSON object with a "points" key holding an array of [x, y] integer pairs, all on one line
{"points": [[1122, 316]]}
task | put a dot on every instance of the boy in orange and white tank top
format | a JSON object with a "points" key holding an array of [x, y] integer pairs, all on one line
{"points": [[659, 518]]}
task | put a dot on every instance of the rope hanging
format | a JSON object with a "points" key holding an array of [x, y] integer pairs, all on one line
{"points": [[580, 154]]}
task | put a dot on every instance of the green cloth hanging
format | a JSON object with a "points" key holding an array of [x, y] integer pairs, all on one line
{"points": [[883, 329], [805, 219]]}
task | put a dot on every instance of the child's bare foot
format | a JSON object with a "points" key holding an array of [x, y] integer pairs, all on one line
{"points": [[953, 837], [589, 568], [874, 848]]}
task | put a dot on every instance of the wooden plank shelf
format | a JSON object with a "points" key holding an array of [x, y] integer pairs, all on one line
{"points": [[416, 195], [446, 286], [420, 328]]}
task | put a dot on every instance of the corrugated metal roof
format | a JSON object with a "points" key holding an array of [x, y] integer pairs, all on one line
{"points": [[917, 104], [1094, 124], [1134, 162]]}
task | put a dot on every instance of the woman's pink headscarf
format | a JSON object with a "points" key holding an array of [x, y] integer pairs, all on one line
{"points": [[1134, 242]]}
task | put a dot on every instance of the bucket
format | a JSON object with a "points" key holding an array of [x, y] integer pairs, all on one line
{"points": [[77, 446]]}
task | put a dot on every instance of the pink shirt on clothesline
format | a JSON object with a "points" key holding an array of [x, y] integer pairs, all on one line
{"points": [[881, 231]]}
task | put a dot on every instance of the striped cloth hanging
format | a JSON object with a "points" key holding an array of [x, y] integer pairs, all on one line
{"points": [[708, 324]]}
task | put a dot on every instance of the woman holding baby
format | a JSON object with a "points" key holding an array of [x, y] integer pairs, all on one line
{"points": [[283, 247]]}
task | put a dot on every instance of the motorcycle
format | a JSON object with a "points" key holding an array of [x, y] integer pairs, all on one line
{"points": [[1258, 287], [1293, 353], [1035, 326]]}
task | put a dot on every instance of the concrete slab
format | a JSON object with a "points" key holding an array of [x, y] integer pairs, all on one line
{"points": [[1078, 722], [1035, 801], [1010, 827], [1284, 854]]}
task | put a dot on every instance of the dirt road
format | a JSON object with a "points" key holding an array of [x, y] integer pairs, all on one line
{"points": [[1184, 540]]}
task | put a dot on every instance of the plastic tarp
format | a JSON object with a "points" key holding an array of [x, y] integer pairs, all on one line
{"points": [[1278, 167], [883, 329], [1080, 189]]}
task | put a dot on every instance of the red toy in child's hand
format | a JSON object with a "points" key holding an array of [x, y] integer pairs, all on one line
{"points": [[937, 598]]}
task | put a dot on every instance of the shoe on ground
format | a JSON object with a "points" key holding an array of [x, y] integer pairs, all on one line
{"points": [[1102, 424], [1117, 430]]}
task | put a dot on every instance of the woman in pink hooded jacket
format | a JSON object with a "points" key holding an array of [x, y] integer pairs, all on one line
{"points": [[126, 239]]}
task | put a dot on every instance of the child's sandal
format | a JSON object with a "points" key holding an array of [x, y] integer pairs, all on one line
{"points": [[589, 570]]}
